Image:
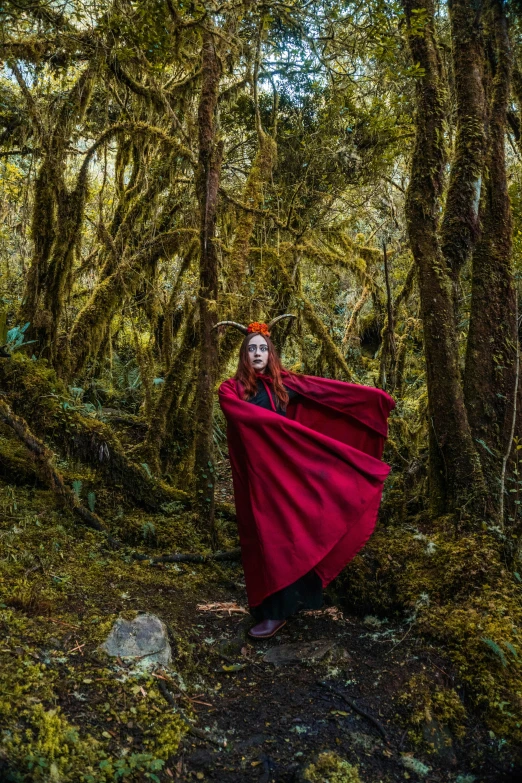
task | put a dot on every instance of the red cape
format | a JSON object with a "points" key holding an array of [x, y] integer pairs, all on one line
{"points": [[307, 486]]}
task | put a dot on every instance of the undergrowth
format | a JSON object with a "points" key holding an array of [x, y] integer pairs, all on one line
{"points": [[68, 713], [458, 594]]}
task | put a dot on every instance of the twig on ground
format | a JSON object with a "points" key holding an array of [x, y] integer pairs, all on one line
{"points": [[181, 557], [224, 606], [31, 570], [400, 640], [380, 728], [77, 648], [61, 622], [167, 695]]}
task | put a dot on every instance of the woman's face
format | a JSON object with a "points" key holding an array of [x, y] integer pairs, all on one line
{"points": [[258, 352]]}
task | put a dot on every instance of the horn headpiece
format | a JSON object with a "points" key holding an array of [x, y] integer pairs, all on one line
{"points": [[256, 327]]}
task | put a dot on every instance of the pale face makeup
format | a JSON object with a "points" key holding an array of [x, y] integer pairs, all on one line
{"points": [[258, 353]]}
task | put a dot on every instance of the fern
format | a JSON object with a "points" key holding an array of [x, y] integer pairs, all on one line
{"points": [[511, 649], [148, 530], [77, 487], [485, 446], [496, 649], [146, 469], [16, 337], [91, 501]]}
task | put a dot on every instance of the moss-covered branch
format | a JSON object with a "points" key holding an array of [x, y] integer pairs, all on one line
{"points": [[93, 320], [44, 461]]}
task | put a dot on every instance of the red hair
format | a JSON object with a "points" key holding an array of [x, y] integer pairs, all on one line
{"points": [[247, 376]]}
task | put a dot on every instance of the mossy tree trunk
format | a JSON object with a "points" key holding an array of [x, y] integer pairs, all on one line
{"points": [[207, 185], [57, 214], [490, 372], [168, 399], [456, 479], [460, 224], [92, 322]]}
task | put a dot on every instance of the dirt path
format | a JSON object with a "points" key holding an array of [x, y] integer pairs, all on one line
{"points": [[61, 589], [276, 718]]}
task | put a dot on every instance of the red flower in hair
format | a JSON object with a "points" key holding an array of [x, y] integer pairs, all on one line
{"points": [[256, 327]]}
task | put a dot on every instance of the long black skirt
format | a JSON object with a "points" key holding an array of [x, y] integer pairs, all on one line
{"points": [[305, 593]]}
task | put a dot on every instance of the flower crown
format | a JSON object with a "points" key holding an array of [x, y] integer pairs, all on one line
{"points": [[256, 327]]}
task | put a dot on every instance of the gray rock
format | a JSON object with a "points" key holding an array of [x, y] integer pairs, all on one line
{"points": [[300, 651], [144, 640]]}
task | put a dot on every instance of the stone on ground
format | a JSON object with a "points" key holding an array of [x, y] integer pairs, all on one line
{"points": [[300, 651], [144, 640]]}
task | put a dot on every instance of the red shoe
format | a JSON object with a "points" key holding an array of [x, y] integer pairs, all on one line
{"points": [[266, 629]]}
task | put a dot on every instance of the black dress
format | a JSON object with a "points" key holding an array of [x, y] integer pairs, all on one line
{"points": [[307, 591]]}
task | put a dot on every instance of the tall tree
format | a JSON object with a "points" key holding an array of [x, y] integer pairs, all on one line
{"points": [[207, 186], [455, 470], [491, 356]]}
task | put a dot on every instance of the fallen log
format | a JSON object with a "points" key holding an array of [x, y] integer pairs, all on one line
{"points": [[180, 557], [36, 394]]}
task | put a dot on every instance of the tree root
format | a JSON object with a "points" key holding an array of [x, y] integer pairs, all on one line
{"points": [[48, 472], [378, 725], [36, 393], [180, 557]]}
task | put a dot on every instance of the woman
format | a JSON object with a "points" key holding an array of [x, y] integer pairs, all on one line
{"points": [[307, 473]]}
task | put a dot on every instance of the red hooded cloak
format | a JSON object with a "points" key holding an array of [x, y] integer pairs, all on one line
{"points": [[307, 486]]}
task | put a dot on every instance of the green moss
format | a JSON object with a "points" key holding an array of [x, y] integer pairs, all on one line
{"points": [[330, 768], [68, 714], [425, 704], [460, 596], [48, 747], [483, 638]]}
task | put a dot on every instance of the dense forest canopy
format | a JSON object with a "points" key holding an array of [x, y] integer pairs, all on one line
{"points": [[165, 165]]}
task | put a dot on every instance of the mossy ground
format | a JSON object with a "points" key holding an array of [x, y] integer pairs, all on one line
{"points": [[68, 713], [461, 597]]}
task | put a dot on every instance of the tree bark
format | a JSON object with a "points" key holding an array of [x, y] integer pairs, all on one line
{"points": [[455, 473], [207, 185], [460, 225], [490, 371]]}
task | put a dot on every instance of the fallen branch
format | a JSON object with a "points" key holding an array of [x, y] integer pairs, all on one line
{"points": [[180, 557], [222, 607], [380, 728], [49, 474]]}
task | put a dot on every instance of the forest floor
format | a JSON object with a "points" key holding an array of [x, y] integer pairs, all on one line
{"points": [[61, 589]]}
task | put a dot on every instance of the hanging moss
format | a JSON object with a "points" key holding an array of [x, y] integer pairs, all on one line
{"points": [[92, 321], [258, 175], [56, 220]]}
